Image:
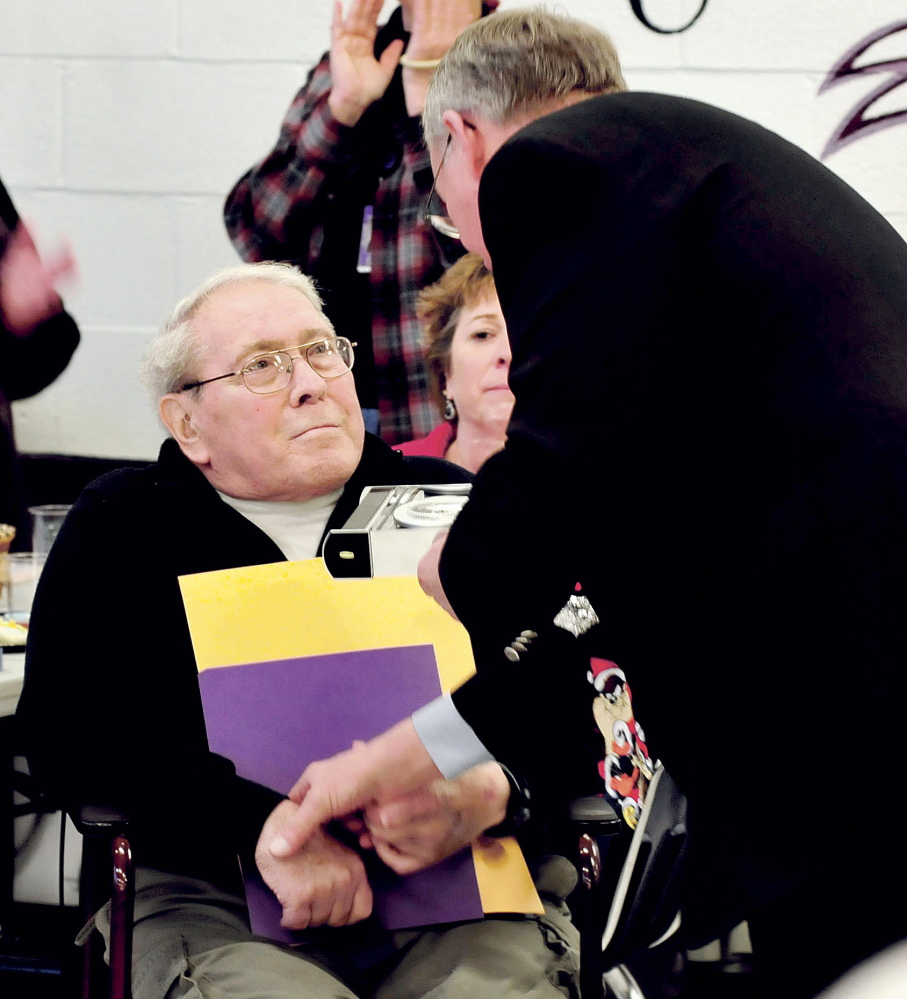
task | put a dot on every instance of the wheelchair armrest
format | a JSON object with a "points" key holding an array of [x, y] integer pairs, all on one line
{"points": [[107, 874], [98, 820], [596, 826], [595, 821], [595, 810], [106, 854]]}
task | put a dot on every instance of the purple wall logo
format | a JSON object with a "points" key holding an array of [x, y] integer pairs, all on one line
{"points": [[855, 124]]}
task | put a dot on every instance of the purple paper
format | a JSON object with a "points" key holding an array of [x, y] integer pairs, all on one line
{"points": [[273, 718]]}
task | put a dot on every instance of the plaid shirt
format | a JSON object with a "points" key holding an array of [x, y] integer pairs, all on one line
{"points": [[321, 175]]}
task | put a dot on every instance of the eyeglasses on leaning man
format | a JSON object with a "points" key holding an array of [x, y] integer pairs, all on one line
{"points": [[270, 372], [435, 213]]}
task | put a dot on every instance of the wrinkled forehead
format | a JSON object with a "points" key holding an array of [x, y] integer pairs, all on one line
{"points": [[254, 317]]}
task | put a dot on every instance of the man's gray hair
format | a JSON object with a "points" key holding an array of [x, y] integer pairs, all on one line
{"points": [[175, 354], [511, 63]]}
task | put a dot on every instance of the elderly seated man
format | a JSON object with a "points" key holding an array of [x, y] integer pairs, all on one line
{"points": [[267, 452]]}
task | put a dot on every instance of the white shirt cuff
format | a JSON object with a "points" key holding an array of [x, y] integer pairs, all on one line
{"points": [[451, 742]]}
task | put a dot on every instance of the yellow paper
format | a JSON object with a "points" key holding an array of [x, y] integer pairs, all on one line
{"points": [[289, 609]]}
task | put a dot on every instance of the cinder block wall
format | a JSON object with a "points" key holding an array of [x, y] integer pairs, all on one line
{"points": [[123, 125]]}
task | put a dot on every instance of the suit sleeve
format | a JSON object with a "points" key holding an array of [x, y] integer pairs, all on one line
{"points": [[110, 709], [32, 362]]}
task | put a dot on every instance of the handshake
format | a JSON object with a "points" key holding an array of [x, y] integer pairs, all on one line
{"points": [[324, 882]]}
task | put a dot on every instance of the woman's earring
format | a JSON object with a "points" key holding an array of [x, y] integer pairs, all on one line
{"points": [[450, 410]]}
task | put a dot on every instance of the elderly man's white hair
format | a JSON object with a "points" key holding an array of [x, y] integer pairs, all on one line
{"points": [[173, 358], [511, 63]]}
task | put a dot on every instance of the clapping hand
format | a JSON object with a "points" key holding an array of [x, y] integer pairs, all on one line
{"points": [[28, 284], [435, 25]]}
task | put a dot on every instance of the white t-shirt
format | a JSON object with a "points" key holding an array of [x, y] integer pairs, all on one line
{"points": [[294, 526]]}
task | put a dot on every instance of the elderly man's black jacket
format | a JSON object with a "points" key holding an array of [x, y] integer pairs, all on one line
{"points": [[111, 706]]}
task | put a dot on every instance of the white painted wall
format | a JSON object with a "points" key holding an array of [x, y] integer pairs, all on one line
{"points": [[124, 124]]}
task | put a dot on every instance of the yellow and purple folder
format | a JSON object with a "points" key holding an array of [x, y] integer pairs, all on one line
{"points": [[294, 665]]}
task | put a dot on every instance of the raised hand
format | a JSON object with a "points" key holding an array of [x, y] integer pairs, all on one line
{"points": [[435, 24], [358, 78]]}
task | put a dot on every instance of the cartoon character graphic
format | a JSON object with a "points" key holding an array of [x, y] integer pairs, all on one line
{"points": [[626, 768]]}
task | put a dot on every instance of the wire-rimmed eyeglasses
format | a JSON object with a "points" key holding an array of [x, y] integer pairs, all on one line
{"points": [[272, 371], [433, 215]]}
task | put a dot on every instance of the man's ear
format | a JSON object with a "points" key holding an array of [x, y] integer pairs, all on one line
{"points": [[472, 139], [176, 415]]}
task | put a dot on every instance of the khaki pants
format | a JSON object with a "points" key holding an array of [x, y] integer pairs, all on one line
{"points": [[192, 942]]}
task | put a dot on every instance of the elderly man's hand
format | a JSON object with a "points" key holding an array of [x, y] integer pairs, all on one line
{"points": [[324, 883], [424, 827], [357, 77], [28, 292]]}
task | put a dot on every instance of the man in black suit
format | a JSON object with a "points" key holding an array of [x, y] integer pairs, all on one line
{"points": [[709, 335]]}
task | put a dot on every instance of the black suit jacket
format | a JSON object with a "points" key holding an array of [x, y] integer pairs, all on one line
{"points": [[709, 337]]}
